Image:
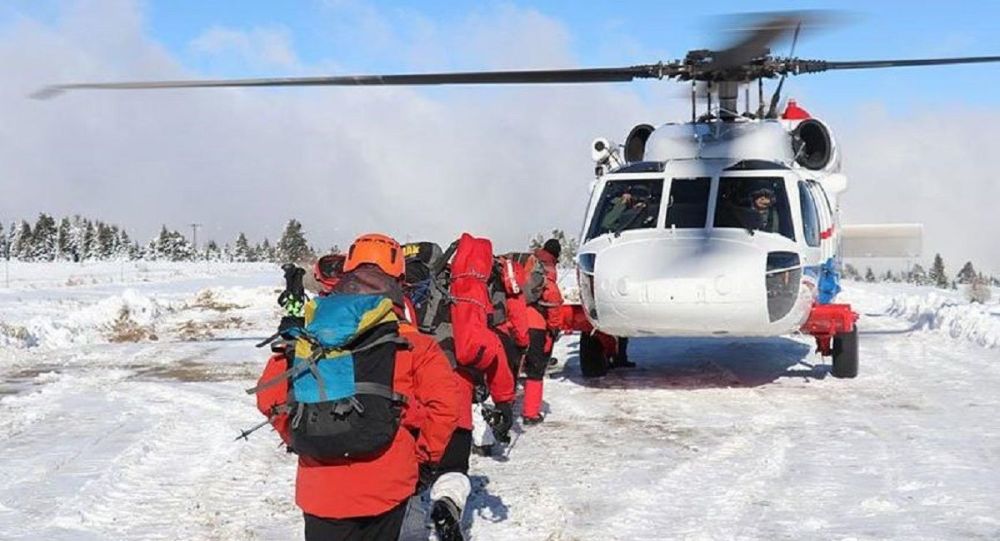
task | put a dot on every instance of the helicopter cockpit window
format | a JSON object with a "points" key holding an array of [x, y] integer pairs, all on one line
{"points": [[754, 204], [626, 205], [810, 217], [687, 206]]}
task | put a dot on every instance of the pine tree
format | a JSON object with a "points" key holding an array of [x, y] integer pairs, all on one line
{"points": [[105, 242], [20, 243], [869, 275], [918, 275], [536, 242], [43, 239], [937, 275], [88, 245], [172, 246], [123, 246], [242, 252], [266, 252], [64, 240], [212, 252], [293, 247], [968, 274], [851, 272]]}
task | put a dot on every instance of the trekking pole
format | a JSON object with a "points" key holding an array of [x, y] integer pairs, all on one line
{"points": [[513, 442], [244, 434]]}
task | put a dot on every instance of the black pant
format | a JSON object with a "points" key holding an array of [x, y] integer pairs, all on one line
{"points": [[384, 527], [536, 360], [456, 455]]}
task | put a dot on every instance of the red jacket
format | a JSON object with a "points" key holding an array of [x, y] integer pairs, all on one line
{"points": [[361, 488], [476, 345]]}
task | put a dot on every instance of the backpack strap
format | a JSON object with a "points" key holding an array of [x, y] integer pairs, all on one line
{"points": [[377, 389], [292, 372], [318, 352]]}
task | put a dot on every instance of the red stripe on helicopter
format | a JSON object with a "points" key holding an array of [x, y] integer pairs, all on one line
{"points": [[826, 234]]}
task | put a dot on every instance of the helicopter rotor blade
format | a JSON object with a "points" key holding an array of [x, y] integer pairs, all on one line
{"points": [[760, 30], [557, 76], [796, 66]]}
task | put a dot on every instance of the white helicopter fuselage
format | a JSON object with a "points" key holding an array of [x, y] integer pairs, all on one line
{"points": [[693, 265]]}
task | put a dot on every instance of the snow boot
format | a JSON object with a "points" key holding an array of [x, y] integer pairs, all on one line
{"points": [[531, 411], [449, 495], [620, 358], [482, 450], [532, 421]]}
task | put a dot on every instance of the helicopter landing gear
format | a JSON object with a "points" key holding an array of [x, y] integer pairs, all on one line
{"points": [[845, 355], [836, 336]]}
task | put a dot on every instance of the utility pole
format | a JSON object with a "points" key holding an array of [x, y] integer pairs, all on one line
{"points": [[194, 237]]}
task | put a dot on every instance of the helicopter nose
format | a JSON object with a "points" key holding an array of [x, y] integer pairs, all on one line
{"points": [[681, 286]]}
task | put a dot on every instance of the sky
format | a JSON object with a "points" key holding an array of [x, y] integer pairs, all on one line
{"points": [[429, 163]]}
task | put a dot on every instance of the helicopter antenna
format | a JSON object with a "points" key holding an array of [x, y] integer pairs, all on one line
{"points": [[760, 97], [694, 100], [772, 112], [709, 96]]}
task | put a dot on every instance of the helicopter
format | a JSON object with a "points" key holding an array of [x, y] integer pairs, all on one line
{"points": [[723, 225]]}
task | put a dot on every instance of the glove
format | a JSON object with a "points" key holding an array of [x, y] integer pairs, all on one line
{"points": [[501, 430]]}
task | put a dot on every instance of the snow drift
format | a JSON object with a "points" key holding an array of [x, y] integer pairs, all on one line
{"points": [[942, 313]]}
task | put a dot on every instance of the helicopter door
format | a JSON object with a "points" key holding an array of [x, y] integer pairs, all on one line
{"points": [[810, 216], [826, 221]]}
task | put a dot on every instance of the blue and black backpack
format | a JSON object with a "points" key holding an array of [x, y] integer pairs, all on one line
{"points": [[341, 400]]}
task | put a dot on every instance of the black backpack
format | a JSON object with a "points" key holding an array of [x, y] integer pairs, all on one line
{"points": [[427, 279], [341, 401]]}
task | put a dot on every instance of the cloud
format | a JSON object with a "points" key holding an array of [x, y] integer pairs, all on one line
{"points": [[933, 167], [501, 162], [418, 163], [259, 47]]}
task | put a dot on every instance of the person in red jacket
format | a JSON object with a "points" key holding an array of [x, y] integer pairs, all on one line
{"points": [[544, 322], [514, 330], [365, 499], [479, 354]]}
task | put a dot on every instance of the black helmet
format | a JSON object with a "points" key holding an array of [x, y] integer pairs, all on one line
{"points": [[639, 191], [553, 247], [762, 192]]}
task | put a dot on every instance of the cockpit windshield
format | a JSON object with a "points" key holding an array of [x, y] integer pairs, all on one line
{"points": [[754, 204], [626, 205]]}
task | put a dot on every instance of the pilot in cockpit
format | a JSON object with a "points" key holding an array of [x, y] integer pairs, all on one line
{"points": [[626, 209], [762, 203]]}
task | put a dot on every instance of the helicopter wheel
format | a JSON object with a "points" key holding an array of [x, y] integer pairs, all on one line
{"points": [[593, 359], [845, 355]]}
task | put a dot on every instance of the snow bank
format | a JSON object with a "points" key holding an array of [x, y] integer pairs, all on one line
{"points": [[130, 315], [937, 312]]}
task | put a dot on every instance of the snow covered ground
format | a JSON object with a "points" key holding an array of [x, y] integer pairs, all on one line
{"points": [[121, 390]]}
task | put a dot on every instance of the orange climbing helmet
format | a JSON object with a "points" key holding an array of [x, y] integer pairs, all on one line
{"points": [[379, 250]]}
